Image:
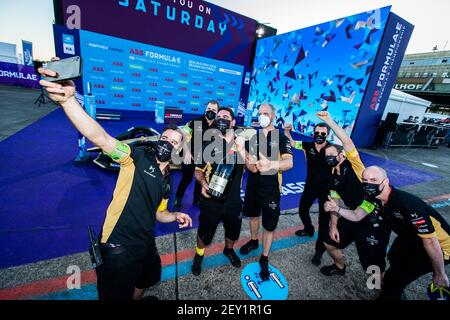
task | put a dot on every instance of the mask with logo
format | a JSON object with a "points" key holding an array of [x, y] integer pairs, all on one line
{"points": [[319, 139], [222, 125], [372, 189], [210, 115], [332, 161], [163, 150], [264, 121]]}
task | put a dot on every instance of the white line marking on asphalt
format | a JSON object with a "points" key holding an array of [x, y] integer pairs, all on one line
{"points": [[429, 165]]}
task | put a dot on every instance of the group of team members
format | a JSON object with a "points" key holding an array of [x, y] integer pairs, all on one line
{"points": [[265, 158], [356, 204]]}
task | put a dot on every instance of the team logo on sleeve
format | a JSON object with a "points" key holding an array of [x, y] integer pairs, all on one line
{"points": [[419, 222]]}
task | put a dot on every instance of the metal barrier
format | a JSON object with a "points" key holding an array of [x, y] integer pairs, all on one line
{"points": [[414, 135]]}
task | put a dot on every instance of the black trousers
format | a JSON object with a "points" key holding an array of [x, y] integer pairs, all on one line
{"points": [[371, 242], [408, 262], [312, 192], [187, 174], [132, 267]]}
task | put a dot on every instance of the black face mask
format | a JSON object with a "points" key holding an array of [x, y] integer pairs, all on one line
{"points": [[210, 115], [332, 161], [371, 189], [319, 139], [222, 125], [163, 150]]}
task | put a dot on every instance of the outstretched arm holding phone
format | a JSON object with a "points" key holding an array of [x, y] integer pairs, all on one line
{"points": [[63, 93]]}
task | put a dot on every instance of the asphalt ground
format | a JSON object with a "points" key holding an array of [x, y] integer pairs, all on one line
{"points": [[219, 280]]}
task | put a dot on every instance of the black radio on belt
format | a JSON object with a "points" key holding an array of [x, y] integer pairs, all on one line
{"points": [[94, 249]]}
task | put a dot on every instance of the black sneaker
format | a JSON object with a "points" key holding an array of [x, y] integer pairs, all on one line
{"points": [[234, 259], [196, 267], [264, 264], [332, 270], [177, 203], [249, 246], [317, 259], [304, 233]]}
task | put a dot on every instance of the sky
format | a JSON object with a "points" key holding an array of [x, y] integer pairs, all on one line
{"points": [[32, 20]]}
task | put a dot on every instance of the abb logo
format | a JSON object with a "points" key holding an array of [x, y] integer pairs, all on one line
{"points": [[118, 80], [195, 97], [181, 101], [183, 89], [374, 101], [137, 52], [99, 102], [197, 84], [136, 90], [208, 92], [118, 95], [135, 74], [231, 94], [117, 63], [210, 79], [233, 83], [153, 84], [153, 70], [220, 100], [168, 79], [168, 94], [98, 69], [135, 104], [222, 87], [183, 75], [152, 98], [99, 86]]}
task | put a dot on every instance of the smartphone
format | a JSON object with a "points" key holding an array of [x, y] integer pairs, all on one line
{"points": [[66, 69]]}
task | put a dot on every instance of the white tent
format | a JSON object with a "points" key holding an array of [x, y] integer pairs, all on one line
{"points": [[406, 105]]}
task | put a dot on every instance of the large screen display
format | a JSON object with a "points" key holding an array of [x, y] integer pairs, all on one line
{"points": [[323, 67], [129, 75]]}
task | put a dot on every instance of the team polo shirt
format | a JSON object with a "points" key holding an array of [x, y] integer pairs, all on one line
{"points": [[317, 169], [412, 219], [225, 152], [347, 185], [264, 145], [141, 190]]}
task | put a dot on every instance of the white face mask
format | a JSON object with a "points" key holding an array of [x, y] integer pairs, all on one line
{"points": [[264, 121]]}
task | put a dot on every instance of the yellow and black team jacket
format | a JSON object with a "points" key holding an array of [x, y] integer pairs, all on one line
{"points": [[412, 219], [347, 185], [141, 190]]}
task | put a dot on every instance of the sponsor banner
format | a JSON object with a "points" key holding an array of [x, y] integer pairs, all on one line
{"points": [[385, 69], [174, 24], [27, 48], [68, 41], [128, 75], [18, 75], [325, 67]]}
